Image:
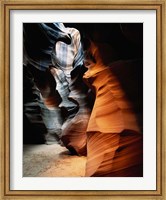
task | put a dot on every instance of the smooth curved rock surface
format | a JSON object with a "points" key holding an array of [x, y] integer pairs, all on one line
{"points": [[75, 111], [114, 132]]}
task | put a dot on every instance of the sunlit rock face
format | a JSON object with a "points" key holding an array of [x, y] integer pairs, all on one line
{"points": [[114, 132], [114, 154]]}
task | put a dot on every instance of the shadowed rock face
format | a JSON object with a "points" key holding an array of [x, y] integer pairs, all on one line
{"points": [[56, 65], [114, 132], [67, 72], [42, 116], [75, 111]]}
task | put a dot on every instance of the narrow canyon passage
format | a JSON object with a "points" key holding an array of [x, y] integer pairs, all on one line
{"points": [[83, 89]]}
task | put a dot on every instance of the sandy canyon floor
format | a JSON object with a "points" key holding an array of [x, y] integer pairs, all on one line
{"points": [[51, 161]]}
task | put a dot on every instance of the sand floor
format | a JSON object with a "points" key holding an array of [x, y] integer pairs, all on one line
{"points": [[51, 161]]}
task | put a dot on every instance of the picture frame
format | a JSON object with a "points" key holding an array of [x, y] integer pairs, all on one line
{"points": [[6, 7]]}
